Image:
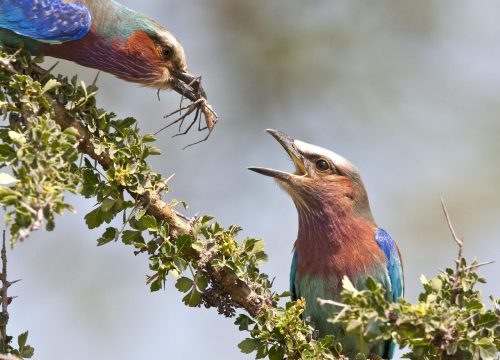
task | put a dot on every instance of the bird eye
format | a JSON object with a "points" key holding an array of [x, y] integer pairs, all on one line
{"points": [[322, 165], [167, 52]]}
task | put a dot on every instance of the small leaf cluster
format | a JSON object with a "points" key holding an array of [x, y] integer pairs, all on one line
{"points": [[281, 333], [450, 321], [40, 155], [23, 350]]}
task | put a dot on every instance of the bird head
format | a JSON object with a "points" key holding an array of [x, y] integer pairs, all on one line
{"points": [[163, 61], [323, 181]]}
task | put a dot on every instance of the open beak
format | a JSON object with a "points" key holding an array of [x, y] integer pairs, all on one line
{"points": [[289, 145], [187, 85]]}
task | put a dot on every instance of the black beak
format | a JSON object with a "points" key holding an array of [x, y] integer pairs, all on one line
{"points": [[187, 85], [290, 147]]}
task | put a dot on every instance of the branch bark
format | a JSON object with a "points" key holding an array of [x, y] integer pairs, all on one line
{"points": [[5, 297]]}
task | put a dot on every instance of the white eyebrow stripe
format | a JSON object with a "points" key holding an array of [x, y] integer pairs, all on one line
{"points": [[340, 161]]}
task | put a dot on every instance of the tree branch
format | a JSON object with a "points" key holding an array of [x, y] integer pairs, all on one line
{"points": [[9, 357], [240, 293], [5, 297]]}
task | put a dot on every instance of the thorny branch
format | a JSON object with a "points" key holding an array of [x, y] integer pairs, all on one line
{"points": [[5, 298], [239, 293], [4, 315], [460, 244]]}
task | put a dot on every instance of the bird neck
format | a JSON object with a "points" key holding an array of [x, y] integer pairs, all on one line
{"points": [[331, 226], [335, 241], [113, 20]]}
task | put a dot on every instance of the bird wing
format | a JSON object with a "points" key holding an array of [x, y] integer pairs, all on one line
{"points": [[394, 264], [293, 271], [51, 21]]}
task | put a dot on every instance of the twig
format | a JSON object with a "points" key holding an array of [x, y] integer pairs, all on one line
{"points": [[341, 313], [5, 297], [475, 266], [456, 289], [9, 357], [459, 242]]}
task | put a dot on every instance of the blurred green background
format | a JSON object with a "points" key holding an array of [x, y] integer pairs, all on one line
{"points": [[409, 91]]}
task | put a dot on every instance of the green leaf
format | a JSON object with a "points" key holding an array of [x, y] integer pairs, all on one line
{"points": [[371, 284], [107, 204], [192, 299], [22, 338], [248, 345], [139, 214], [7, 179], [18, 138], [183, 242], [52, 83], [488, 353], [202, 283], [180, 264], [261, 352], [125, 123], [131, 236], [276, 352], [184, 284], [156, 285], [26, 352], [148, 138], [347, 285], [353, 326], [149, 222], [94, 219], [7, 153], [110, 234], [197, 245], [243, 321], [5, 191]]}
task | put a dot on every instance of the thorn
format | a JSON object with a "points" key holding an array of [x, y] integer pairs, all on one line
{"points": [[9, 283], [96, 77], [53, 67], [475, 266], [10, 298], [169, 178]]}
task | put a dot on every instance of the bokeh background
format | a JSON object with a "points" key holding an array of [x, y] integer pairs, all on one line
{"points": [[409, 91]]}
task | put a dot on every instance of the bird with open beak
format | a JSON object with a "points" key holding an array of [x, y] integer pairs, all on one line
{"points": [[104, 35], [337, 237]]}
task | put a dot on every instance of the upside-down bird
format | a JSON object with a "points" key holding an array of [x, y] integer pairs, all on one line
{"points": [[100, 34], [337, 237]]}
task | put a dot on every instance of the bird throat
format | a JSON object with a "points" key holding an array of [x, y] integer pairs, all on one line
{"points": [[333, 242]]}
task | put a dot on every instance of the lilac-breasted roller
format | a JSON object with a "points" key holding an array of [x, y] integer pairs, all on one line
{"points": [[337, 236], [100, 34]]}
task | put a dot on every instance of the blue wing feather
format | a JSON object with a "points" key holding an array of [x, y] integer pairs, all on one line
{"points": [[293, 271], [45, 20], [394, 265], [395, 271]]}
